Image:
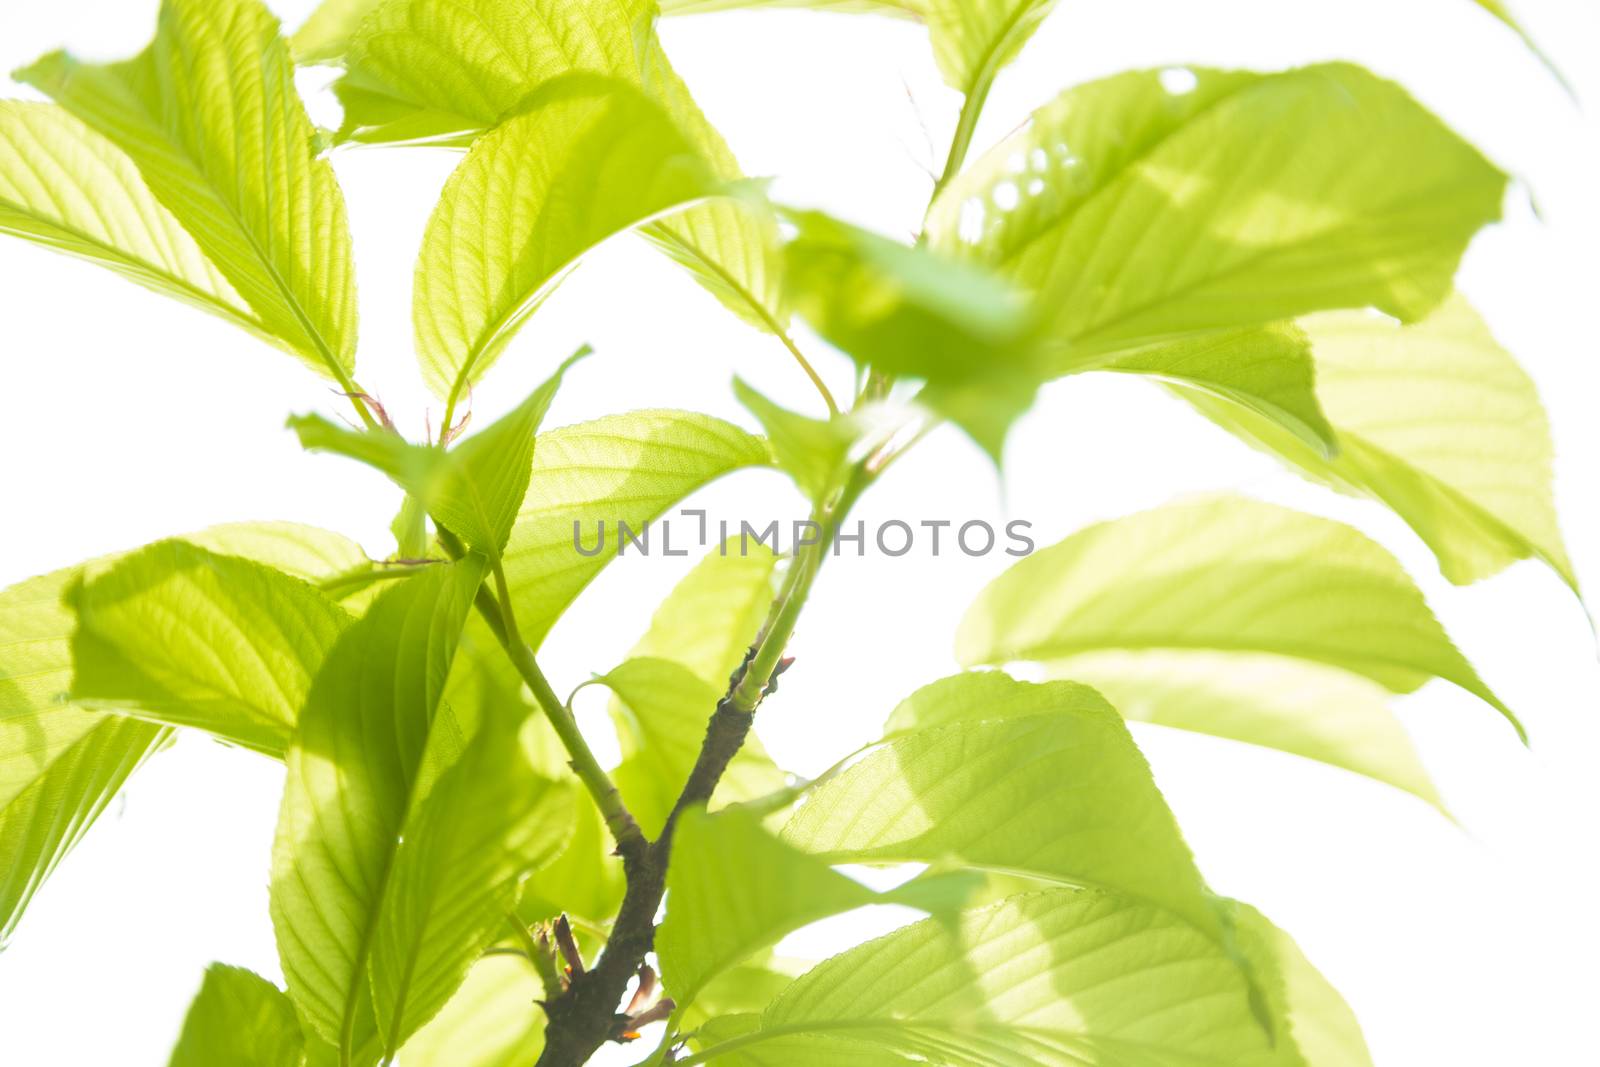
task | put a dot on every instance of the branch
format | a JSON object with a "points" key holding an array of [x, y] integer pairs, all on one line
{"points": [[586, 1016]]}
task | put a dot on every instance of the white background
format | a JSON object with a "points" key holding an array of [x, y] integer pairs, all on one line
{"points": [[124, 418]]}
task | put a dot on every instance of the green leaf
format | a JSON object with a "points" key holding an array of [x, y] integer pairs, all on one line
{"points": [[909, 312], [1503, 12], [60, 765], [473, 490], [1156, 204], [1437, 421], [187, 637], [486, 822], [1267, 371], [1222, 574], [1306, 1010], [66, 187], [1319, 712], [587, 158], [811, 451], [492, 1021], [209, 116], [240, 1019], [661, 719], [1041, 780], [585, 880], [354, 769], [421, 71], [623, 468], [1061, 978], [47, 816], [733, 889], [973, 39]]}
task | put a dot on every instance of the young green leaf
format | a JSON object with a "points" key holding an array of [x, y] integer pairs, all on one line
{"points": [[60, 765], [909, 312], [486, 822], [973, 39], [1036, 779], [1224, 574], [66, 187], [733, 889], [42, 820], [661, 718], [1154, 204], [418, 72], [492, 1021], [811, 451], [325, 35], [187, 637], [1061, 978], [353, 773], [473, 490], [588, 158], [1437, 421], [619, 469], [713, 615], [240, 1019], [209, 116], [1309, 709]]}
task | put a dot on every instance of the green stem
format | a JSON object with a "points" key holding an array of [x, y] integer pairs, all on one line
{"points": [[966, 126]]}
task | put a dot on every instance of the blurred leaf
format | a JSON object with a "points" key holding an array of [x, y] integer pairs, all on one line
{"points": [[1309, 709], [909, 312], [1062, 978], [325, 34], [473, 490], [1437, 421], [1040, 780], [587, 158], [973, 39], [1223, 574], [811, 451], [1155, 204], [239, 1019], [209, 116], [187, 637]]}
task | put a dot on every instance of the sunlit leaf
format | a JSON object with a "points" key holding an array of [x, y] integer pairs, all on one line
{"points": [[661, 720], [1437, 421], [1267, 371], [973, 39], [46, 817], [1061, 978], [811, 451], [240, 1019], [734, 889], [492, 1021], [353, 775], [588, 158], [60, 765], [187, 637], [1319, 712], [1036, 779], [620, 469], [1155, 204], [68, 188], [209, 116], [1223, 574], [325, 34], [473, 490]]}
